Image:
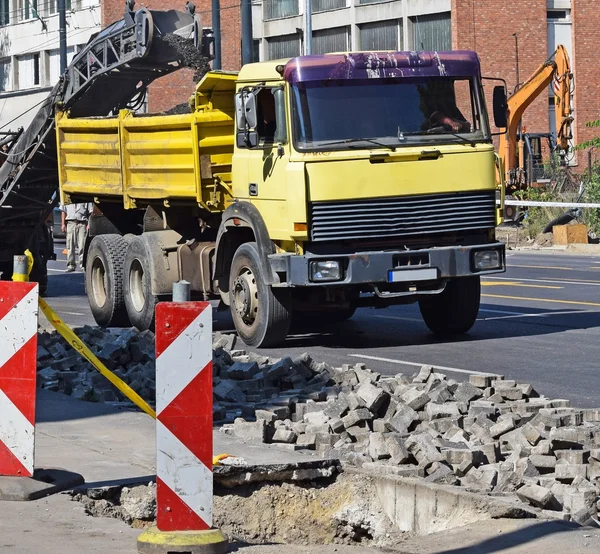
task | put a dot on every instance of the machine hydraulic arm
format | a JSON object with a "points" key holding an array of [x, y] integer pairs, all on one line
{"points": [[555, 71]]}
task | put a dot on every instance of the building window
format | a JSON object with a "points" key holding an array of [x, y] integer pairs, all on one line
{"points": [[287, 46], [431, 32], [4, 12], [5, 75], [36, 69], [330, 40], [27, 9], [382, 35], [370, 1], [51, 7], [256, 50], [327, 5], [278, 9]]}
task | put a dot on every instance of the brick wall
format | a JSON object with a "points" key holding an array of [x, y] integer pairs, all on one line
{"points": [[586, 35], [487, 26], [176, 88]]}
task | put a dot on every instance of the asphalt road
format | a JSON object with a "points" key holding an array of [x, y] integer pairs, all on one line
{"points": [[539, 323]]}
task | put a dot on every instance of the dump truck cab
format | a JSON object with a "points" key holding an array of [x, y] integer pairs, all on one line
{"points": [[354, 191]]}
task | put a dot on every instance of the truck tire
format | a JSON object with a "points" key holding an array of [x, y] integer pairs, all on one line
{"points": [[261, 314], [455, 309], [139, 300], [104, 280]]}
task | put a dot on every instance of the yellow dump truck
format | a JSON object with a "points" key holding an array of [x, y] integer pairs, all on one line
{"points": [[296, 189]]}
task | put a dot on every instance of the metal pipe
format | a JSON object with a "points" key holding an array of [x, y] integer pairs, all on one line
{"points": [[216, 25], [307, 27], [181, 291], [551, 204], [62, 34], [247, 56], [20, 268]]}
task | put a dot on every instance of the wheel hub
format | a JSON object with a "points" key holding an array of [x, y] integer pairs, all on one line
{"points": [[245, 296]]}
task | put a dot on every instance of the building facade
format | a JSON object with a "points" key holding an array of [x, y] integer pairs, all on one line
{"points": [[29, 54]]}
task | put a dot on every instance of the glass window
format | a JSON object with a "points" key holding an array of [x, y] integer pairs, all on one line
{"points": [[287, 46], [5, 75], [270, 108], [4, 12], [395, 112], [432, 32], [381, 35], [278, 9], [326, 5], [330, 40]]}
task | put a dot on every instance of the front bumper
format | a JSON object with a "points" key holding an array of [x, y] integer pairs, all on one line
{"points": [[427, 265]]}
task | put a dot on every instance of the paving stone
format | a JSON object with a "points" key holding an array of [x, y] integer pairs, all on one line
{"points": [[501, 428], [372, 396], [378, 448], [402, 420], [480, 381], [436, 411], [423, 448], [565, 473], [284, 435], [307, 441], [415, 399]]}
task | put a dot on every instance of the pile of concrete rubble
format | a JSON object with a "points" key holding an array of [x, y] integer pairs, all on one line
{"points": [[489, 435]]}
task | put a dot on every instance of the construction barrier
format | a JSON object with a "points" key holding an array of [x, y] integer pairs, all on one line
{"points": [[18, 355], [184, 442]]}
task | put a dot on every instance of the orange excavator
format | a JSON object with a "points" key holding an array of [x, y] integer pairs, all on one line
{"points": [[518, 150]]}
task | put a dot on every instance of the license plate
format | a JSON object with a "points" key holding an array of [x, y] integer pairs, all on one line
{"points": [[410, 275]]}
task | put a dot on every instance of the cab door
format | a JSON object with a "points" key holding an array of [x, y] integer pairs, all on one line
{"points": [[264, 167]]}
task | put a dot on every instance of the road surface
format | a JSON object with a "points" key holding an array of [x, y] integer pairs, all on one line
{"points": [[539, 323]]}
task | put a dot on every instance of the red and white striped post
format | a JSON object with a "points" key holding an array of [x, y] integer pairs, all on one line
{"points": [[184, 443], [18, 354]]}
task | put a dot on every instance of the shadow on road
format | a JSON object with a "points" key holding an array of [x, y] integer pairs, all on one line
{"points": [[501, 543]]}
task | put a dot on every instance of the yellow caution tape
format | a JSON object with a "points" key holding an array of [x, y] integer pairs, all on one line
{"points": [[220, 457], [80, 347]]}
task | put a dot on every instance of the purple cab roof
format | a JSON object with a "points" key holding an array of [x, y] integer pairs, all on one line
{"points": [[374, 65]]}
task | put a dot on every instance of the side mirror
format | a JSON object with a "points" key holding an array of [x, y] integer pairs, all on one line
{"points": [[250, 109], [246, 118], [500, 107]]}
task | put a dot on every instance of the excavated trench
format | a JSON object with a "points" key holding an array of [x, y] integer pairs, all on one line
{"points": [[350, 508]]}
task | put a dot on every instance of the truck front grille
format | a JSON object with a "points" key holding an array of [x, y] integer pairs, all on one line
{"points": [[403, 216]]}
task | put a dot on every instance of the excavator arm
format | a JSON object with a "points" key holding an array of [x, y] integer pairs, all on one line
{"points": [[555, 71]]}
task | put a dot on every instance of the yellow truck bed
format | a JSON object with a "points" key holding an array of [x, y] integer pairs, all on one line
{"points": [[140, 159]]}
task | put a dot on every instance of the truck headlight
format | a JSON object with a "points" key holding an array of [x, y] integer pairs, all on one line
{"points": [[325, 271], [484, 260]]}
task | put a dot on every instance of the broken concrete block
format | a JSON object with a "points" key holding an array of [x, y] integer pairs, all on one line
{"points": [[423, 448], [480, 381], [531, 433], [316, 418], [378, 449], [572, 457], [436, 411], [229, 391], [307, 441], [250, 430], [502, 427], [338, 408], [398, 452], [242, 371], [535, 495], [423, 374], [356, 416], [284, 435], [544, 464], [465, 392]]}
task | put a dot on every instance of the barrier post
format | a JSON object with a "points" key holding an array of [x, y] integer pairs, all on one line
{"points": [[18, 356], [184, 444]]}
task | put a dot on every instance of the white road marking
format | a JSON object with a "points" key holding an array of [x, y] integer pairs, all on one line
{"points": [[397, 318], [502, 312], [403, 362], [71, 313]]}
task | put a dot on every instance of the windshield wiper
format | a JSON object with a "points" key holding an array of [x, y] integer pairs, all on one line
{"points": [[436, 131], [360, 139]]}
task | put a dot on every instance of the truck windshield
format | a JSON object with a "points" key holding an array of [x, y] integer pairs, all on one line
{"points": [[380, 113]]}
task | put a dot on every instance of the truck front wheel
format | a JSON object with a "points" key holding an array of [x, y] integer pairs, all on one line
{"points": [[139, 300], [455, 309], [261, 314], [104, 280]]}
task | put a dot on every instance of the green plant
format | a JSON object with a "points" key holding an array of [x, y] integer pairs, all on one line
{"points": [[591, 217], [592, 143]]}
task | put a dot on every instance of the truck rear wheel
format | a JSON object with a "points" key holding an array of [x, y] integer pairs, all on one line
{"points": [[261, 314], [455, 309], [139, 300], [104, 280]]}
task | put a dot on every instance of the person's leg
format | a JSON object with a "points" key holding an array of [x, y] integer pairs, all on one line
{"points": [[81, 228], [71, 245]]}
